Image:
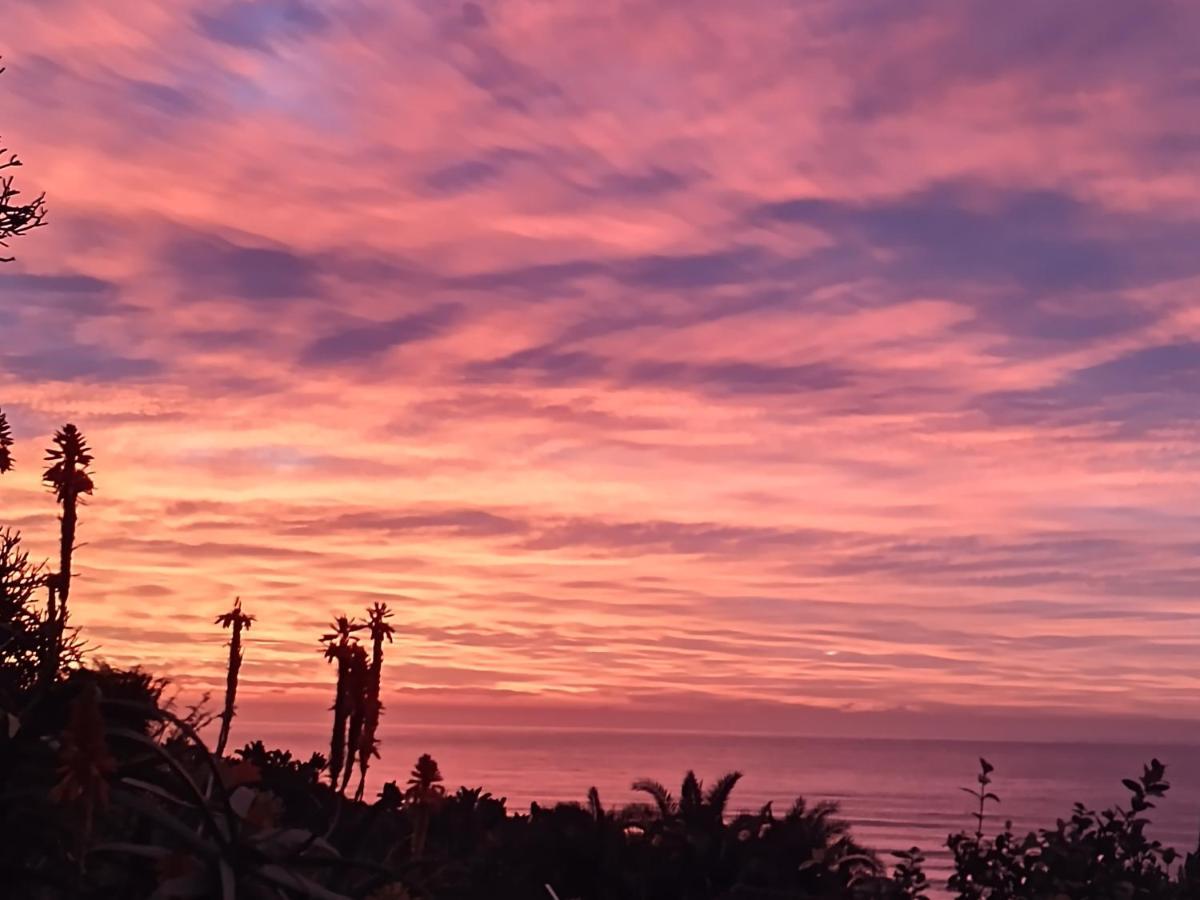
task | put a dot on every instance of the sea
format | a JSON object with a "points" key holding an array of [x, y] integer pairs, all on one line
{"points": [[896, 794]]}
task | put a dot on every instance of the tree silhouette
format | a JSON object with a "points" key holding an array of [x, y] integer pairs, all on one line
{"points": [[337, 649], [236, 620], [6, 442], [20, 623], [379, 629], [693, 803], [69, 478], [16, 218]]}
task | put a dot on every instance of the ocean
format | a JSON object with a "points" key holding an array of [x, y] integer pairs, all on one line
{"points": [[895, 793]]}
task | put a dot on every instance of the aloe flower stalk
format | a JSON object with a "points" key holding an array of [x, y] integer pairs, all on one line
{"points": [[379, 629], [338, 644], [356, 691], [236, 620], [69, 478], [425, 792]]}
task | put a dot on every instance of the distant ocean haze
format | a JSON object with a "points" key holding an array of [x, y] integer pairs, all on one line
{"points": [[895, 793]]}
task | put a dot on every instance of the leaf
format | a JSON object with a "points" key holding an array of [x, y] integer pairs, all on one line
{"points": [[228, 884], [150, 851], [182, 887], [154, 789], [287, 879]]}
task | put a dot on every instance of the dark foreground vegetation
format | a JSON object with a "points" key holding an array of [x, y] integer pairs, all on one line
{"points": [[108, 791]]}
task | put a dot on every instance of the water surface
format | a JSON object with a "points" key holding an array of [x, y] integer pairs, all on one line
{"points": [[896, 793]]}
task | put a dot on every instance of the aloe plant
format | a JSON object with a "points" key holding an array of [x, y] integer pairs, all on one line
{"points": [[69, 478], [379, 629], [356, 694], [425, 793], [338, 644], [236, 620]]}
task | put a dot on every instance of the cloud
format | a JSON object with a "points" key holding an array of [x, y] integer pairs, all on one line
{"points": [[473, 173], [548, 362], [736, 377], [691, 270], [78, 362], [1040, 240], [257, 25], [540, 279], [214, 265], [1113, 393], [373, 339], [1158, 370], [646, 184], [800, 353], [458, 522]]}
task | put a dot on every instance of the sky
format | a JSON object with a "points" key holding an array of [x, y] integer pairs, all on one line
{"points": [[779, 366]]}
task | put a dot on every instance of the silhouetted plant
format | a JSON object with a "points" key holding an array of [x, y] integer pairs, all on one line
{"points": [[425, 793], [6, 442], [357, 692], [693, 802], [663, 800], [982, 794], [236, 620], [16, 218], [21, 633], [69, 478], [85, 765], [595, 807], [1092, 854], [257, 754], [379, 629], [338, 645], [909, 880]]}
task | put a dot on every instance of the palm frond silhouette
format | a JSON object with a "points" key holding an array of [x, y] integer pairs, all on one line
{"points": [[658, 792]]}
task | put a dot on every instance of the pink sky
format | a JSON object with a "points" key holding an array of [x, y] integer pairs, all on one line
{"points": [[670, 363]]}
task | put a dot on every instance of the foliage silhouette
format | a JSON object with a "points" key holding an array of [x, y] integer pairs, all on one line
{"points": [[21, 626], [6, 442], [17, 218], [1104, 855]]}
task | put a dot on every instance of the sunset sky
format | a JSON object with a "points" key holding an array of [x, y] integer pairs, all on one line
{"points": [[772, 365]]}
